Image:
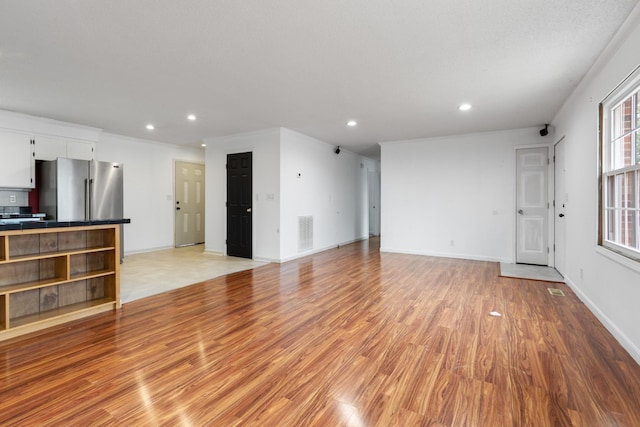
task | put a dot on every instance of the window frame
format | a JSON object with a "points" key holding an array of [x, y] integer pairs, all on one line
{"points": [[628, 88]]}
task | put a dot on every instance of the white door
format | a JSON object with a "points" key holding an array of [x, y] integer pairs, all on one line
{"points": [[374, 203], [189, 203], [531, 206], [560, 204]]}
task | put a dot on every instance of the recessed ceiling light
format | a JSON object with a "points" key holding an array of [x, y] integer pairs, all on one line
{"points": [[464, 107], [203, 145], [150, 126], [191, 117], [352, 123]]}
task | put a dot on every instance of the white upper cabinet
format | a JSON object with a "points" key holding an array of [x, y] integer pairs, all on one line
{"points": [[83, 150], [17, 160], [51, 147], [25, 139]]}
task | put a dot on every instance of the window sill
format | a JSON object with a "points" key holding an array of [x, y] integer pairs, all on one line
{"points": [[619, 259]]}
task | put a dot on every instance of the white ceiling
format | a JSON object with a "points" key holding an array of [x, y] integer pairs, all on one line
{"points": [[398, 67]]}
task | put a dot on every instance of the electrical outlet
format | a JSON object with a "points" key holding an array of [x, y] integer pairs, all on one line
{"points": [[12, 199]]}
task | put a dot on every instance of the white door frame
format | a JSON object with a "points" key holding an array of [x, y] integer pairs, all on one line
{"points": [[559, 202], [373, 187]]}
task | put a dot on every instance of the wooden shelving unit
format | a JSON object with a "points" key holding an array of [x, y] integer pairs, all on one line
{"points": [[51, 276]]}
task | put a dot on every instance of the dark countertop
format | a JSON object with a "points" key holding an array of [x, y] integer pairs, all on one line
{"points": [[30, 225]]}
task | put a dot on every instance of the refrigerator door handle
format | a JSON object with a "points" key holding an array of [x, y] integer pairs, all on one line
{"points": [[87, 199], [90, 200]]}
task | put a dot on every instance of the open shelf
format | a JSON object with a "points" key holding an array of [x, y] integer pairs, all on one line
{"points": [[91, 275], [4, 248], [61, 311], [33, 272], [27, 286], [43, 255], [49, 276]]}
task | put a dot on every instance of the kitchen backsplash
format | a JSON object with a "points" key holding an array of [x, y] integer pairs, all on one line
{"points": [[14, 198]]}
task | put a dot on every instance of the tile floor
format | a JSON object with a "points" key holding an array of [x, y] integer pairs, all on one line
{"points": [[534, 272], [150, 273]]}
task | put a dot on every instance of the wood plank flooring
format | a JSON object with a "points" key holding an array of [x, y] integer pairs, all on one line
{"points": [[348, 337]]}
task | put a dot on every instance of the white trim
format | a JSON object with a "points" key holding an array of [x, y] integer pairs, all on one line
{"points": [[626, 343], [215, 253], [144, 251], [435, 139], [552, 204], [267, 260], [306, 253], [622, 260], [447, 255], [626, 89], [315, 251], [152, 142], [243, 135]]}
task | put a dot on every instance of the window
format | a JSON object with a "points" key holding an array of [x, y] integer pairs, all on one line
{"points": [[620, 166]]}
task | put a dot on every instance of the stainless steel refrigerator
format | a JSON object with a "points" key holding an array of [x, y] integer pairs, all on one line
{"points": [[81, 190]]}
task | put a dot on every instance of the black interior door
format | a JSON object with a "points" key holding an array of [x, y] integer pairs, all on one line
{"points": [[239, 197]]}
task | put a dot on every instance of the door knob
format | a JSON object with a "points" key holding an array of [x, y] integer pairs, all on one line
{"points": [[178, 208], [249, 210], [561, 215], [520, 211]]}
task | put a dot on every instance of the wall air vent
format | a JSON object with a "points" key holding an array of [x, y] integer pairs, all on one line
{"points": [[305, 233]]}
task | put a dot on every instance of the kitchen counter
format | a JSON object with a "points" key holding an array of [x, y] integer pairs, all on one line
{"points": [[30, 225]]}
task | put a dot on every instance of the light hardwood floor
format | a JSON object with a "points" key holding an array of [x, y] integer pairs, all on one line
{"points": [[348, 337]]}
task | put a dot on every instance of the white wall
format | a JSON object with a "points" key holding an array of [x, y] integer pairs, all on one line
{"points": [[453, 196], [330, 187], [609, 284], [148, 187], [266, 181]]}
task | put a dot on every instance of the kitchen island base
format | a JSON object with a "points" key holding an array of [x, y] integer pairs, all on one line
{"points": [[49, 276]]}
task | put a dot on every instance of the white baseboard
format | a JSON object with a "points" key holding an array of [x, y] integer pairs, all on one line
{"points": [[210, 252], [624, 341], [144, 251], [315, 251], [447, 255]]}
